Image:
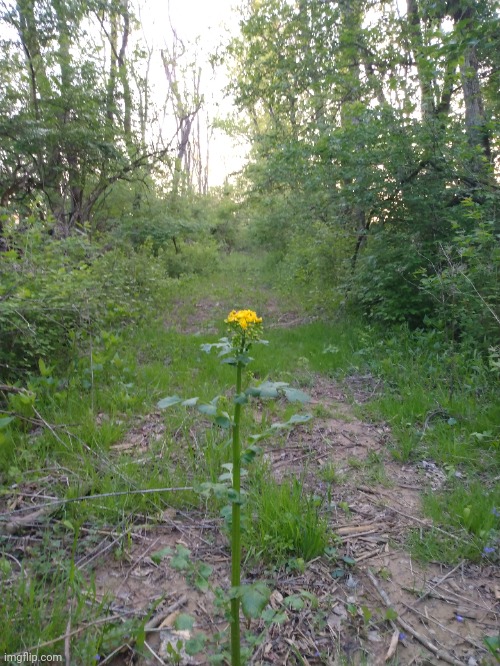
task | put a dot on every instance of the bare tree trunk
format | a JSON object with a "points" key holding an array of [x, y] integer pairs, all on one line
{"points": [[427, 101], [475, 117], [122, 69], [111, 83]]}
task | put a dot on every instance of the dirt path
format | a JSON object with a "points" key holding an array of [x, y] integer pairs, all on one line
{"points": [[441, 614]]}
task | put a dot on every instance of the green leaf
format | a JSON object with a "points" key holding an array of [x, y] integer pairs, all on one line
{"points": [[191, 402], [350, 561], [390, 614], [181, 560], [254, 598], [267, 389], [337, 573], [296, 419], [249, 454], [195, 644], [5, 420], [277, 389], [205, 570], [367, 614], [224, 344], [159, 555], [201, 583], [223, 421], [275, 617], [493, 645], [230, 360], [184, 622], [294, 601], [240, 399], [296, 395], [168, 402], [209, 410]]}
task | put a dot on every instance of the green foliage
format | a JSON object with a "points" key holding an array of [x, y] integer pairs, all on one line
{"points": [[56, 295], [466, 289], [194, 258], [286, 523], [354, 188], [472, 514], [385, 286]]}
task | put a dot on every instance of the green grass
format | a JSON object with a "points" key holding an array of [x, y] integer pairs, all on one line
{"points": [[440, 401], [285, 523]]}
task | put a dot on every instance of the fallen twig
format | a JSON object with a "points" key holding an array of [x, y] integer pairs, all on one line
{"points": [[441, 626], [157, 619], [440, 581], [441, 654], [83, 498], [393, 645]]}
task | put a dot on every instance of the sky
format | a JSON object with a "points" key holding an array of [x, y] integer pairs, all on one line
{"points": [[202, 25]]}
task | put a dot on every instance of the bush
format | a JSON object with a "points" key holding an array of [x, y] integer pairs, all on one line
{"points": [[386, 285], [198, 258], [51, 289]]}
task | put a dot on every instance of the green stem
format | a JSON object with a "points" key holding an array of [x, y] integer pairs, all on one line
{"points": [[235, 529]]}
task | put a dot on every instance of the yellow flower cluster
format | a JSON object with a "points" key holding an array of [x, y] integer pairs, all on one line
{"points": [[243, 318]]}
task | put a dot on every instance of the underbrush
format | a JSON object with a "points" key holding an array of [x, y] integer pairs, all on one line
{"points": [[77, 424]]}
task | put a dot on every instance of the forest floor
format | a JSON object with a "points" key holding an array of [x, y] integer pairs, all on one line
{"points": [[441, 613], [367, 601]]}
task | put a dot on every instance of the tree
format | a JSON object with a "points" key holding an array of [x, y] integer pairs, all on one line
{"points": [[371, 125], [68, 130]]}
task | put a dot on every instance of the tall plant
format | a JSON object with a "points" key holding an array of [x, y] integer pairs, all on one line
{"points": [[245, 329]]}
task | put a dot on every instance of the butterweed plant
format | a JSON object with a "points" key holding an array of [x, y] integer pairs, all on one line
{"points": [[244, 329]]}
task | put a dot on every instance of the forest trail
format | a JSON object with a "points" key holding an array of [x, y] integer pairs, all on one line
{"points": [[367, 602]]}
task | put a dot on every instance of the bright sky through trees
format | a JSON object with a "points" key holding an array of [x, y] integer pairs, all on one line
{"points": [[202, 26]]}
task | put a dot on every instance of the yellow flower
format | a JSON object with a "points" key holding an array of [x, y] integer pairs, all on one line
{"points": [[243, 318]]}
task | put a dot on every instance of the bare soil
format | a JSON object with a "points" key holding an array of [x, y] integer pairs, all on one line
{"points": [[443, 613]]}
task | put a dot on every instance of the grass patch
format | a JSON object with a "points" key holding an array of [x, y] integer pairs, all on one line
{"points": [[285, 523]]}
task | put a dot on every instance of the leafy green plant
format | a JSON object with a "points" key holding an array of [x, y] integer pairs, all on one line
{"points": [[245, 329]]}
